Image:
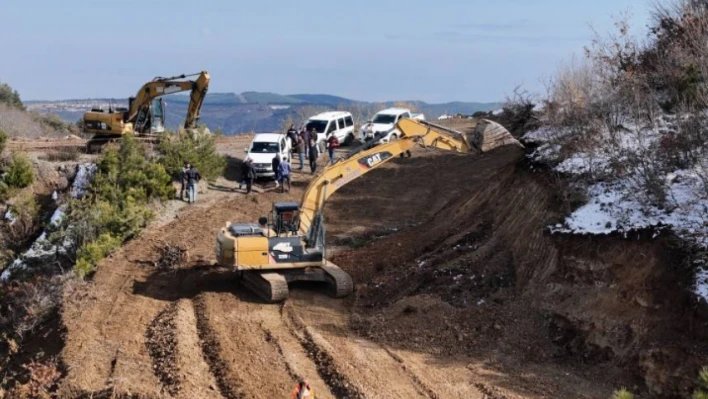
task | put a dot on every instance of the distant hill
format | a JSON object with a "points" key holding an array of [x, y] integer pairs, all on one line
{"points": [[235, 113]]}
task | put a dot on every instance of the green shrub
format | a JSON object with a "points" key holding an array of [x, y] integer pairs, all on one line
{"points": [[703, 380], [3, 140], [19, 171], [115, 207], [26, 213], [622, 394], [195, 147], [90, 254], [10, 97], [52, 121]]}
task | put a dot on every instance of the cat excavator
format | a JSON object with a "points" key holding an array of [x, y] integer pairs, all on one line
{"points": [[145, 116], [289, 245]]}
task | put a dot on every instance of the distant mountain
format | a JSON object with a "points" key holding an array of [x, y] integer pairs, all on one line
{"points": [[235, 113]]}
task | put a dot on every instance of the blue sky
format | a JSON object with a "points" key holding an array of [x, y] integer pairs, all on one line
{"points": [[435, 51]]}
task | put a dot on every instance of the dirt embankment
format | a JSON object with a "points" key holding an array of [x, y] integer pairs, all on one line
{"points": [[481, 278], [460, 294]]}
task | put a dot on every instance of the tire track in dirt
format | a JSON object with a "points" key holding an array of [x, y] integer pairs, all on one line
{"points": [[271, 339], [337, 382], [422, 387], [195, 376], [161, 342], [229, 386]]}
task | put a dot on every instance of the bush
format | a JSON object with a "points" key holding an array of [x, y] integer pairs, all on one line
{"points": [[19, 172], [115, 207], [194, 147], [91, 253], [26, 214], [622, 394], [63, 155], [10, 97], [703, 380], [3, 140]]}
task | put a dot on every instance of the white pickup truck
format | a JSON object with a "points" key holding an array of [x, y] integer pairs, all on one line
{"points": [[384, 123]]}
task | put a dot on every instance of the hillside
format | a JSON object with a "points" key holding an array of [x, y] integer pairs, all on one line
{"points": [[235, 113]]}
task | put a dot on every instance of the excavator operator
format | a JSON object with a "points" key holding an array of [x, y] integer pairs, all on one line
{"points": [[303, 391]]}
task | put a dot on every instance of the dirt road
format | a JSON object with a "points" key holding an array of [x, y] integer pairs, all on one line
{"points": [[195, 333]]}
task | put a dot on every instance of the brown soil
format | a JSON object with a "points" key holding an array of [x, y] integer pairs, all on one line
{"points": [[460, 294]]}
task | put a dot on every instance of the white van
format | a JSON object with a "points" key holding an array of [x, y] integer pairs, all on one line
{"points": [[341, 123], [264, 147]]}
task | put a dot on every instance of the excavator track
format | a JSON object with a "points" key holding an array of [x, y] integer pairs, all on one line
{"points": [[339, 281], [272, 287]]}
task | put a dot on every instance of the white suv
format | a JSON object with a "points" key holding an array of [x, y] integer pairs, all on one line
{"points": [[340, 123], [384, 124], [263, 148]]}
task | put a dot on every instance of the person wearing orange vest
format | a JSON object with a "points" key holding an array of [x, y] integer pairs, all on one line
{"points": [[303, 391]]}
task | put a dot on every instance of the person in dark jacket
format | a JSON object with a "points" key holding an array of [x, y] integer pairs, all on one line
{"points": [[275, 163], [183, 180], [314, 154], [292, 134], [244, 172], [306, 139], [250, 175], [193, 178], [284, 174]]}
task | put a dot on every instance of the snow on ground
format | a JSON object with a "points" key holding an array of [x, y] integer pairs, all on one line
{"points": [[615, 205], [9, 216], [41, 248], [702, 283], [84, 176]]}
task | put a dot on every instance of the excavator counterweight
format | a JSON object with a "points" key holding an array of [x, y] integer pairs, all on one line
{"points": [[290, 244]]}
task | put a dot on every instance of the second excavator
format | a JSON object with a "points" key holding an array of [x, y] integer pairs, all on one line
{"points": [[144, 115], [290, 244]]}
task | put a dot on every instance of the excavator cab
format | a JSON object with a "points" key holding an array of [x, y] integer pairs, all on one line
{"points": [[286, 218]]}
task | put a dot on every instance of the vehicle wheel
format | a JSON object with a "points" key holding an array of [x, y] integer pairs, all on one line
{"points": [[394, 137], [349, 139]]}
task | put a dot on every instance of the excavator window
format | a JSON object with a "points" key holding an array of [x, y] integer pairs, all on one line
{"points": [[285, 219]]}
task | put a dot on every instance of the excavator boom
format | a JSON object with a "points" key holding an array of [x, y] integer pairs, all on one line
{"points": [[371, 156], [140, 116], [292, 247]]}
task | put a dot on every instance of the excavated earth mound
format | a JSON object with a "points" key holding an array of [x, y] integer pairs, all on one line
{"points": [[480, 277]]}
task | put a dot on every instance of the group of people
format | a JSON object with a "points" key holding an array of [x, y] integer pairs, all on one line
{"points": [[304, 144]]}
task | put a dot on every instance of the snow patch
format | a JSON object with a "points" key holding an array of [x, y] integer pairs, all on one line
{"points": [[42, 249], [83, 179]]}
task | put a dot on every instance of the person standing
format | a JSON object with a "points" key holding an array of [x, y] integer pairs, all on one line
{"points": [[244, 172], [314, 154], [183, 180], [274, 164], [250, 175], [193, 178], [284, 174], [306, 139], [332, 144], [300, 150], [292, 132]]}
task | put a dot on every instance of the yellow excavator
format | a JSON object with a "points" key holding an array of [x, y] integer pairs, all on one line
{"points": [[290, 244], [142, 117]]}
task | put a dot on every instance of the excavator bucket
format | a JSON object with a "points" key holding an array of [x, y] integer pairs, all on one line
{"points": [[487, 135]]}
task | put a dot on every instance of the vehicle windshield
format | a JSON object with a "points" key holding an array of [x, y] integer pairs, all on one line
{"points": [[384, 118], [318, 125], [264, 147]]}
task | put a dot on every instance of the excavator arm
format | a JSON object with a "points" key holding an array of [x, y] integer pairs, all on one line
{"points": [[163, 86], [366, 158]]}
